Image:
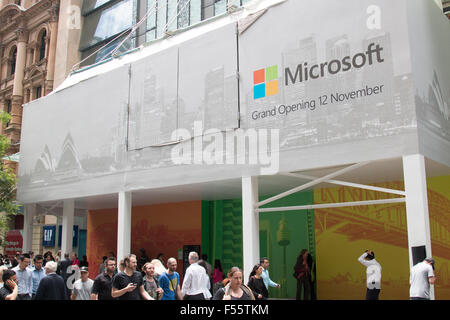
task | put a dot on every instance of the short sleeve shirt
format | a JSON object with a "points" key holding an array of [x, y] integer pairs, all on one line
{"points": [[150, 287], [83, 290], [103, 287], [121, 280], [420, 285], [169, 283], [4, 292]]}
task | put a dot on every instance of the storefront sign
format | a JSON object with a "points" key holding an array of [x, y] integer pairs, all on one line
{"points": [[14, 242], [75, 236], [49, 236]]}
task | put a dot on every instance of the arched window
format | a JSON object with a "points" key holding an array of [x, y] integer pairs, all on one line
{"points": [[42, 47], [13, 61]]}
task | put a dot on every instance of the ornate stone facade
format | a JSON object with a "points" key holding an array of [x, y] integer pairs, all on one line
{"points": [[28, 35]]}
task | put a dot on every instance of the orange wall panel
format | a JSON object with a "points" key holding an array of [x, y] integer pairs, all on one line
{"points": [[160, 228]]}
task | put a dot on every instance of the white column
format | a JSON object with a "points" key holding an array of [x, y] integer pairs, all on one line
{"points": [[28, 214], [67, 227], [250, 224], [124, 225], [418, 220]]}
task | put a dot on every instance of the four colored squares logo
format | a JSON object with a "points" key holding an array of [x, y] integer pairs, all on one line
{"points": [[265, 82]]}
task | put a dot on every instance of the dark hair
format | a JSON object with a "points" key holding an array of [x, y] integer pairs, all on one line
{"points": [[104, 258], [109, 259], [23, 256], [255, 267], [38, 257], [127, 259], [203, 264], [263, 259], [370, 256], [7, 274], [299, 262], [218, 265]]}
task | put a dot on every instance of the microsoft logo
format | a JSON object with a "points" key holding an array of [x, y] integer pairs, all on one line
{"points": [[265, 82]]}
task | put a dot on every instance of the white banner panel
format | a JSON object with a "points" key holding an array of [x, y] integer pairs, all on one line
{"points": [[328, 72]]}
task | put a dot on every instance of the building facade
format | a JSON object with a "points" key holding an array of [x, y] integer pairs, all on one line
{"points": [[361, 104], [29, 35]]}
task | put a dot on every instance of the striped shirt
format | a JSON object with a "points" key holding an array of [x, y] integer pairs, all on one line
{"points": [[25, 280]]}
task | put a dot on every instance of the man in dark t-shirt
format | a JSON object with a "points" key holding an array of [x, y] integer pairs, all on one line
{"points": [[129, 285], [101, 290]]}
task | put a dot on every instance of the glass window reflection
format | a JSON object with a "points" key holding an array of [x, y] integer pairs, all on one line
{"points": [[102, 25], [89, 5]]}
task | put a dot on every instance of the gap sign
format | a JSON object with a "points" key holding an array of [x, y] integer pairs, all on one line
{"points": [[49, 236]]}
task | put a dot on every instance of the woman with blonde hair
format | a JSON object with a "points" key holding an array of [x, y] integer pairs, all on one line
{"points": [[159, 268]]}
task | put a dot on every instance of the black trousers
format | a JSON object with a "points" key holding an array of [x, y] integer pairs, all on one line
{"points": [[304, 285], [372, 294], [194, 297]]}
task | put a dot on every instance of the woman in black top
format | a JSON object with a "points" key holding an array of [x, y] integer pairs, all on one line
{"points": [[235, 289], [256, 283]]}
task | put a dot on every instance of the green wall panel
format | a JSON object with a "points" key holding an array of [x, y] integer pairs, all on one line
{"points": [[282, 236]]}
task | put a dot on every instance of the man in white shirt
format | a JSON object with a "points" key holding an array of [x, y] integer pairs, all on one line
{"points": [[373, 272], [24, 277], [421, 277], [82, 288], [194, 279]]}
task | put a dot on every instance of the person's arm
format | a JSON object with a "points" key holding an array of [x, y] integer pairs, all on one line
{"points": [[13, 295], [74, 294], [144, 294], [115, 293], [252, 287], [30, 284], [187, 282], [95, 289], [431, 276], [362, 259], [178, 293], [273, 284]]}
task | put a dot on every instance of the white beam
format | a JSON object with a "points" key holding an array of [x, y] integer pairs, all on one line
{"points": [[67, 226], [345, 183], [250, 224], [28, 214], [417, 217], [332, 205], [124, 225], [312, 183]]}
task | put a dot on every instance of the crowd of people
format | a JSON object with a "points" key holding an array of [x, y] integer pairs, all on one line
{"points": [[48, 277], [44, 277]]}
